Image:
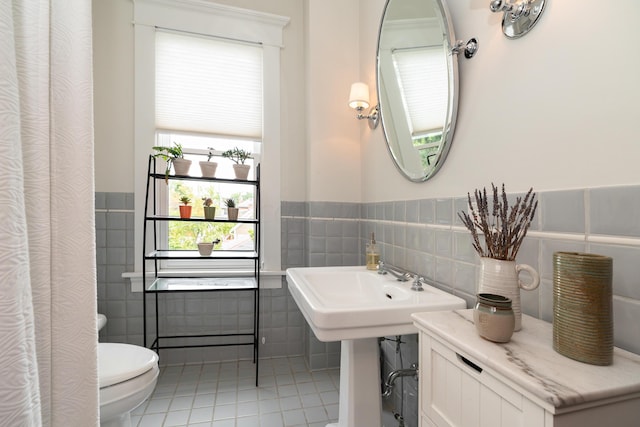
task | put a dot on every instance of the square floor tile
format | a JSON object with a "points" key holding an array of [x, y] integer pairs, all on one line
{"points": [[201, 415], [177, 418], [245, 409], [293, 418], [224, 411], [225, 395], [202, 400], [151, 420], [181, 402]]}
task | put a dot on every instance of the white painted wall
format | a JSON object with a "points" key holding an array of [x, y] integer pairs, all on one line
{"points": [[556, 109], [333, 135], [113, 94]]}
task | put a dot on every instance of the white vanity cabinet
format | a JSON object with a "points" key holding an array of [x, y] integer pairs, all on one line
{"points": [[466, 380]]}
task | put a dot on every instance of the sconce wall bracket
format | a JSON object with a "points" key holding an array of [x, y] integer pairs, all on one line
{"points": [[518, 18], [373, 116]]}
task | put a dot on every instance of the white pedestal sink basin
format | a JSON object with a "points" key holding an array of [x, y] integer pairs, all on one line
{"points": [[356, 306]]}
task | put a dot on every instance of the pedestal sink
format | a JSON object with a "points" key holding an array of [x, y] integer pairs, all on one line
{"points": [[356, 306]]}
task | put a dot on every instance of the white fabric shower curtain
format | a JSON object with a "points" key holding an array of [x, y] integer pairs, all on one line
{"points": [[48, 337]]}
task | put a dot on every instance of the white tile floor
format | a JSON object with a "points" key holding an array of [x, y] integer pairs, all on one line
{"points": [[224, 395]]}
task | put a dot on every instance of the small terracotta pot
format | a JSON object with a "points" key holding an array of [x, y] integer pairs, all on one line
{"points": [[185, 211]]}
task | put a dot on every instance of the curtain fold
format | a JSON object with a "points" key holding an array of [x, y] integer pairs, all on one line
{"points": [[47, 238]]}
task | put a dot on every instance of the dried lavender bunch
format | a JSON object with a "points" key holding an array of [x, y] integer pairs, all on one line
{"points": [[503, 230]]}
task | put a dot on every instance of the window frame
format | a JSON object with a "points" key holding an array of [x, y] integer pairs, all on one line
{"points": [[162, 191], [216, 21]]}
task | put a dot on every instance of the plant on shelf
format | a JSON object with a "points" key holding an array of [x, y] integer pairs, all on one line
{"points": [[238, 156], [205, 248], [232, 210], [173, 156], [185, 207], [208, 167], [209, 210]]}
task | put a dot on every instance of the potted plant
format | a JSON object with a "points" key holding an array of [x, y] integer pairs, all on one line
{"points": [[185, 207], [205, 248], [238, 156], [209, 211], [173, 156], [232, 211], [208, 167]]}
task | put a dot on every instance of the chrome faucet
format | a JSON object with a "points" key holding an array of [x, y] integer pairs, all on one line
{"points": [[384, 268], [417, 284]]}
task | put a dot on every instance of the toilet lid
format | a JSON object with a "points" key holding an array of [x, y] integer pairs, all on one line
{"points": [[120, 362]]}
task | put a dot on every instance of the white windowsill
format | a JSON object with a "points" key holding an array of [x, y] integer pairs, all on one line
{"points": [[268, 279]]}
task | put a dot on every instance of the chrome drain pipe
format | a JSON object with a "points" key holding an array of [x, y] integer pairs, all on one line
{"points": [[394, 375]]}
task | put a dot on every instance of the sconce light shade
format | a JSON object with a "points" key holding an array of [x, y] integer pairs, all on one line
{"points": [[359, 96], [359, 100]]}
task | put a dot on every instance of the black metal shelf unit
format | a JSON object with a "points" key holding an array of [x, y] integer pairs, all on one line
{"points": [[217, 281]]}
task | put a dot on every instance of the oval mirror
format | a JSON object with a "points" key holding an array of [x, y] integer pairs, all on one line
{"points": [[417, 81]]}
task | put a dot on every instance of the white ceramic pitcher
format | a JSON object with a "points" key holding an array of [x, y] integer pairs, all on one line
{"points": [[503, 278]]}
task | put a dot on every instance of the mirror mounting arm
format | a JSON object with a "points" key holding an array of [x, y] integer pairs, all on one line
{"points": [[470, 47]]}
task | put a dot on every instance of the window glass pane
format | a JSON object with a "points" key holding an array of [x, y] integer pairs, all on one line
{"points": [[185, 235]]}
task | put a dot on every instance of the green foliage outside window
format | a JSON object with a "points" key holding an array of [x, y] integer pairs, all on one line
{"points": [[185, 234], [428, 147]]}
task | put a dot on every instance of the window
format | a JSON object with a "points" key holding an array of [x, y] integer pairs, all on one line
{"points": [[206, 87], [248, 44], [182, 235]]}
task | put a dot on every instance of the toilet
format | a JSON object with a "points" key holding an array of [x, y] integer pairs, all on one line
{"points": [[127, 375]]}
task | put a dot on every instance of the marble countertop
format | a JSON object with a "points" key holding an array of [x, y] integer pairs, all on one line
{"points": [[531, 363]]}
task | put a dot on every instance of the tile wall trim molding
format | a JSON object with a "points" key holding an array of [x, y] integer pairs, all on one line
{"points": [[577, 237]]}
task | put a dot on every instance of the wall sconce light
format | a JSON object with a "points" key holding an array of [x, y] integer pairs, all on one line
{"points": [[359, 100], [518, 18]]}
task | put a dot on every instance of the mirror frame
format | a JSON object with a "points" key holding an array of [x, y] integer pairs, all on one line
{"points": [[449, 46]]}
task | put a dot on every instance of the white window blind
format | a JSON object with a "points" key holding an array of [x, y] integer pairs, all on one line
{"points": [[208, 85], [423, 81]]}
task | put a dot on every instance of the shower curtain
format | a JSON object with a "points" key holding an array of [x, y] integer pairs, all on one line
{"points": [[48, 337]]}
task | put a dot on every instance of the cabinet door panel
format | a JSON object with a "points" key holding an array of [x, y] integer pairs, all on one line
{"points": [[450, 395], [471, 399], [490, 405], [510, 415], [458, 392]]}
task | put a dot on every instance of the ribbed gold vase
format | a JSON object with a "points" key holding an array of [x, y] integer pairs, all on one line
{"points": [[582, 307]]}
